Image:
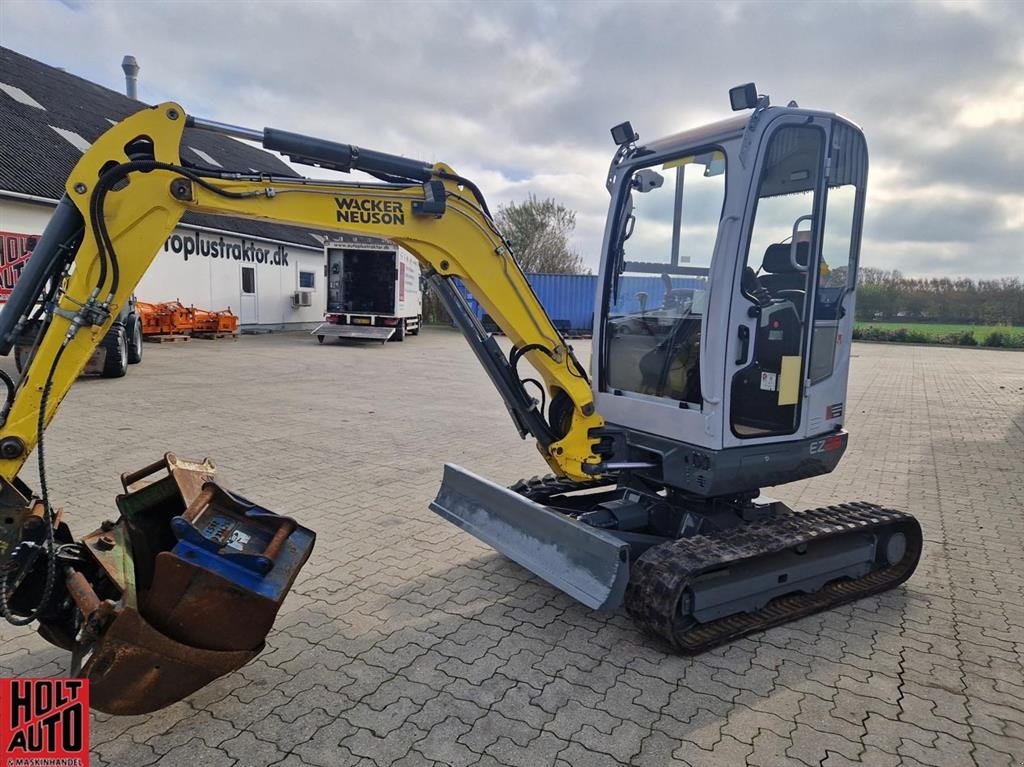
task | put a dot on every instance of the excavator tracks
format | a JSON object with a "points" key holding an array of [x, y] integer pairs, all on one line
{"points": [[662, 582], [542, 489]]}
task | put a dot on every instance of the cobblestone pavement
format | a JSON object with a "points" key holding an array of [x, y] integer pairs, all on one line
{"points": [[407, 642]]}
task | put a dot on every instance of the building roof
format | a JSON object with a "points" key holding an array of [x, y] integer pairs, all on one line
{"points": [[47, 114]]}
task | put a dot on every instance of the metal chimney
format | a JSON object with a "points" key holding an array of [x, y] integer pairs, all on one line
{"points": [[131, 76]]}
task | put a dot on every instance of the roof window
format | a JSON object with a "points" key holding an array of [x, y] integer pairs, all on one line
{"points": [[72, 138], [19, 95], [205, 157]]}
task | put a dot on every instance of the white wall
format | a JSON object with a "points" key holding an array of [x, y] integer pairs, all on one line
{"points": [[204, 269], [24, 217]]}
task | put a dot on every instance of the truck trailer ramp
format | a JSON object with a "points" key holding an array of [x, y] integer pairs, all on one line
{"points": [[358, 332]]}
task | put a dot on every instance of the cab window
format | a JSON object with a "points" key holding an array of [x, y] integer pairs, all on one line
{"points": [[656, 292], [776, 279]]}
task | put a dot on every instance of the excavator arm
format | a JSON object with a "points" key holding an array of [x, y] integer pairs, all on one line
{"points": [[149, 604], [130, 190]]}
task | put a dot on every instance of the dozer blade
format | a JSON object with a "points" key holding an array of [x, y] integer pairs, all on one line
{"points": [[586, 563]]}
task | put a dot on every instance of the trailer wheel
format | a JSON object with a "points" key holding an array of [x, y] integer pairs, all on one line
{"points": [[399, 331], [320, 339]]}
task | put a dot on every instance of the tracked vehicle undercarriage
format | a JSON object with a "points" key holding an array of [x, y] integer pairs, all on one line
{"points": [[704, 574]]}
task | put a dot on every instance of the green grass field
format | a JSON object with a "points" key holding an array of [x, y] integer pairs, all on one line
{"points": [[927, 332], [939, 330]]}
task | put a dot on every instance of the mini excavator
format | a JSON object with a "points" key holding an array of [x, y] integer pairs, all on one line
{"points": [[721, 350]]}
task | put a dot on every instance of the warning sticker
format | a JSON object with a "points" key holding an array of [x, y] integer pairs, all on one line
{"points": [[769, 381], [238, 540]]}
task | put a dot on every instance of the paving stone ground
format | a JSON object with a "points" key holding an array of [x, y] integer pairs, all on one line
{"points": [[406, 642]]}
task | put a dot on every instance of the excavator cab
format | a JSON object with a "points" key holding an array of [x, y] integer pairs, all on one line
{"points": [[746, 247]]}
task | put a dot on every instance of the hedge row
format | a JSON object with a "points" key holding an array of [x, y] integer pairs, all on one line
{"points": [[995, 339]]}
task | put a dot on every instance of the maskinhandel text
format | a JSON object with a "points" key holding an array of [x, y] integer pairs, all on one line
{"points": [[191, 244]]}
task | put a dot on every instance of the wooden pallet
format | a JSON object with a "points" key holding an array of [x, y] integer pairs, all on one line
{"points": [[210, 336], [166, 338]]}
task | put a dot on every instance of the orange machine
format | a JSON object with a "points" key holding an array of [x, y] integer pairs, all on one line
{"points": [[177, 318], [174, 318], [150, 317], [214, 322]]}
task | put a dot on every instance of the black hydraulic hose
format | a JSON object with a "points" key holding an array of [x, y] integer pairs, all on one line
{"points": [[540, 388], [51, 544], [106, 183], [516, 353], [9, 400], [463, 181]]}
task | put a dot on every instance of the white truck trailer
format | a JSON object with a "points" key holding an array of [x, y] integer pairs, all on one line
{"points": [[373, 291]]}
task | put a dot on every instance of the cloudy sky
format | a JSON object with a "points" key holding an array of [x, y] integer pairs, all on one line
{"points": [[520, 96]]}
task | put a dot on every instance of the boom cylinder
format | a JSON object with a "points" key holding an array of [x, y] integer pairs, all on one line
{"points": [[326, 154]]}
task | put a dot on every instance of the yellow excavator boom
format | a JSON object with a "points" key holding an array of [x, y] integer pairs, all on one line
{"points": [[451, 235]]}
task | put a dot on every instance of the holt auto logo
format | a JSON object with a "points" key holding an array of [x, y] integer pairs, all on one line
{"points": [[44, 723]]}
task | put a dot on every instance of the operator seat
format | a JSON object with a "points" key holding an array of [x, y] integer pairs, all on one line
{"points": [[780, 278], [778, 272]]}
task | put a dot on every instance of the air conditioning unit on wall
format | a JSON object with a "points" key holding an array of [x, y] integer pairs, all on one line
{"points": [[302, 298]]}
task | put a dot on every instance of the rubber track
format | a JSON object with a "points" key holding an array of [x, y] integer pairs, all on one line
{"points": [[661, 575], [541, 489]]}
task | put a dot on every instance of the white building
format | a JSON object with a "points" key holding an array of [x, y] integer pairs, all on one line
{"points": [[48, 117]]}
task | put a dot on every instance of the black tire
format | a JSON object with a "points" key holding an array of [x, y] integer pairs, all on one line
{"points": [[320, 339], [399, 331], [135, 343], [115, 344]]}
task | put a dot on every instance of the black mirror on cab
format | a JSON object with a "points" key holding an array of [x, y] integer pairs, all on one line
{"points": [[743, 97]]}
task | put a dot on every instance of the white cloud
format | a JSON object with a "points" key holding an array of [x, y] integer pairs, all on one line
{"points": [[1004, 103], [520, 96]]}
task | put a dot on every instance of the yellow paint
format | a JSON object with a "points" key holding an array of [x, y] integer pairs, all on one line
{"points": [[690, 159], [678, 163], [461, 243], [789, 381]]}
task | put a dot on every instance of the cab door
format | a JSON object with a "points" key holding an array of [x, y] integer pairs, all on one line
{"points": [[833, 303], [773, 297]]}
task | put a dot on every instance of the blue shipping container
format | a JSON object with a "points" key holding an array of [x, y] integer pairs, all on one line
{"points": [[569, 298]]}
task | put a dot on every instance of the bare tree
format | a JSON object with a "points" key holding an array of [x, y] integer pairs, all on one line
{"points": [[538, 232]]}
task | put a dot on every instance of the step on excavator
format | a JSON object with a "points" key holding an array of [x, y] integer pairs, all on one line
{"points": [[721, 352]]}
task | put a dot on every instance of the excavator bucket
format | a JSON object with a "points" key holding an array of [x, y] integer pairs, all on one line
{"points": [[182, 589], [586, 563], [136, 669]]}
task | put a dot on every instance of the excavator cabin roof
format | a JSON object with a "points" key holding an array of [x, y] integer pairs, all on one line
{"points": [[732, 126]]}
